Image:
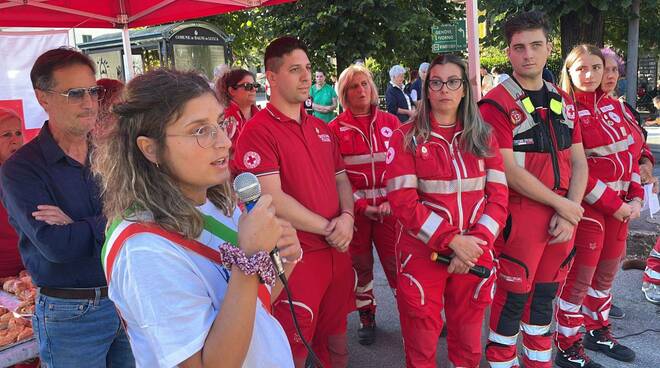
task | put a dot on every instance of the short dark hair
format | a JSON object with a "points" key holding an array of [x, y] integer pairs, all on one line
{"points": [[280, 47], [41, 74], [526, 21]]}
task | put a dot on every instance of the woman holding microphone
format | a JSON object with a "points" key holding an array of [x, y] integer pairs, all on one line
{"points": [[184, 279], [447, 189]]}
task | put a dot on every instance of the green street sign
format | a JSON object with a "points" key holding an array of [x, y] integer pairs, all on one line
{"points": [[449, 37]]}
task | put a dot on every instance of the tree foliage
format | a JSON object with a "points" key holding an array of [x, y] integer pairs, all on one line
{"points": [[390, 31], [341, 31], [594, 21]]}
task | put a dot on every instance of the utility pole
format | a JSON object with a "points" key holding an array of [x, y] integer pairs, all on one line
{"points": [[633, 54]]}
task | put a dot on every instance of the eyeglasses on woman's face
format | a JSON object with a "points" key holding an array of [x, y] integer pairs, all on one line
{"points": [[452, 84], [207, 134]]}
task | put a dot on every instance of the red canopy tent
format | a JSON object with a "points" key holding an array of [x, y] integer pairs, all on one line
{"points": [[122, 14]]}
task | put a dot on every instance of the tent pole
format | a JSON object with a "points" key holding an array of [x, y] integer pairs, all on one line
{"points": [[128, 54]]}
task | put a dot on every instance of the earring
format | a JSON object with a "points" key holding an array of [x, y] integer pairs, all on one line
{"points": [[157, 166]]}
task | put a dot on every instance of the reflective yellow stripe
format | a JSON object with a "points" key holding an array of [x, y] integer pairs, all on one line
{"points": [[555, 106]]}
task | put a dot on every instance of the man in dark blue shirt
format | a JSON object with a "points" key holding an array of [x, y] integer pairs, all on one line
{"points": [[53, 203]]}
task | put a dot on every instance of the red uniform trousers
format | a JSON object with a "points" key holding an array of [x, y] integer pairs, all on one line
{"points": [[382, 235], [586, 297], [422, 288], [652, 272], [322, 292], [529, 274]]}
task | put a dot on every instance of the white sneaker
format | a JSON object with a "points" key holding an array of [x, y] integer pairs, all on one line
{"points": [[651, 292]]}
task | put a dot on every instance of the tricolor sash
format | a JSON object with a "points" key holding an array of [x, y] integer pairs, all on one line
{"points": [[120, 231]]}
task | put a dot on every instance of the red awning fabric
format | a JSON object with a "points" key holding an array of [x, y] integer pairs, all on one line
{"points": [[114, 13]]}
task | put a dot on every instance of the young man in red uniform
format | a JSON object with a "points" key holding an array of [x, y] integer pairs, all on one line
{"points": [[546, 170], [298, 162], [364, 134]]}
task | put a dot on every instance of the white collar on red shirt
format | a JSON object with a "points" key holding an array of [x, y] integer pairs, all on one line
{"points": [[279, 116]]}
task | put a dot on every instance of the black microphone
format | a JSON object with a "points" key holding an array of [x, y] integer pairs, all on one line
{"points": [[479, 271], [247, 187]]}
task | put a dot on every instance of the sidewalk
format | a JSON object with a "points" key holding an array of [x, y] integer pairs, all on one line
{"points": [[387, 351]]}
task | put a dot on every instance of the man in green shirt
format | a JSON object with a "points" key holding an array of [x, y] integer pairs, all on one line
{"points": [[324, 99]]}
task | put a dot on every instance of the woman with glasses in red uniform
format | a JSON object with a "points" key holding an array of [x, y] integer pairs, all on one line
{"points": [[447, 189]]}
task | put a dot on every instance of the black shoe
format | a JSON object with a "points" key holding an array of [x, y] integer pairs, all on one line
{"points": [[367, 330], [603, 341], [575, 357], [616, 312]]}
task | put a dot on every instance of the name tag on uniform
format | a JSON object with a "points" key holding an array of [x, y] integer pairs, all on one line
{"points": [[324, 137], [583, 113], [523, 142], [343, 129], [607, 108]]}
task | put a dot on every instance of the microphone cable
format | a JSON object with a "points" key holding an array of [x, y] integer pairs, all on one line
{"points": [[279, 268]]}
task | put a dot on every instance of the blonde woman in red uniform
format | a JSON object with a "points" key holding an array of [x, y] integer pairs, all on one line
{"points": [[447, 189], [364, 132], [612, 198]]}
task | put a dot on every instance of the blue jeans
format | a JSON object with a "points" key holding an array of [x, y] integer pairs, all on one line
{"points": [[80, 333]]}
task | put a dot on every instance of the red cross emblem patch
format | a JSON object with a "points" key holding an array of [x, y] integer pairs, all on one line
{"points": [[516, 116], [251, 159], [390, 155]]}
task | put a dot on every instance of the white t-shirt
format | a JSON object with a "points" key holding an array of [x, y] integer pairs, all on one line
{"points": [[170, 296]]}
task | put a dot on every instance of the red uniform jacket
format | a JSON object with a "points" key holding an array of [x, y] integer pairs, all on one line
{"points": [[235, 112], [439, 191], [607, 138], [363, 143], [540, 137]]}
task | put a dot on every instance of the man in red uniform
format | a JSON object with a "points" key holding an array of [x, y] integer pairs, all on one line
{"points": [[364, 134], [546, 169], [298, 162]]}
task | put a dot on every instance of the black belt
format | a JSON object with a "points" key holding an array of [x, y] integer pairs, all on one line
{"points": [[74, 293]]}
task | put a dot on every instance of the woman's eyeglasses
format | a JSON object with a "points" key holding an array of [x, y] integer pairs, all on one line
{"points": [[247, 86], [76, 95], [452, 84], [207, 134]]}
